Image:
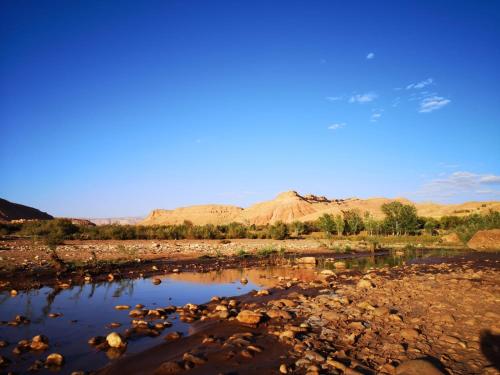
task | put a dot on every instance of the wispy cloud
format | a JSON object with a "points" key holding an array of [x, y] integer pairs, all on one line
{"points": [[432, 103], [421, 84], [458, 183], [363, 98], [370, 56], [376, 115], [336, 126]]}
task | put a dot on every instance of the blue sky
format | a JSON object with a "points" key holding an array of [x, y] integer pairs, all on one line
{"points": [[116, 108]]}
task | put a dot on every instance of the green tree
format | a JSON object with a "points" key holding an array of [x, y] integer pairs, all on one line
{"points": [[298, 228], [326, 224], [339, 224], [400, 218], [353, 220]]}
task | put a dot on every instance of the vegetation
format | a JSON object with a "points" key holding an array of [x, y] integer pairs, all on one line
{"points": [[400, 220]]}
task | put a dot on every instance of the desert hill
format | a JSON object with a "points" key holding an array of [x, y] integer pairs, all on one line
{"points": [[15, 211], [291, 206]]}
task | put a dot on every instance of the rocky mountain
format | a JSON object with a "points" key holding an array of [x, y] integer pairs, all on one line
{"points": [[129, 220], [15, 211], [291, 206]]}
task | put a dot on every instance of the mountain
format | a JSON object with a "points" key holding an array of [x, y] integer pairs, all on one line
{"points": [[291, 206], [129, 220], [14, 211]]}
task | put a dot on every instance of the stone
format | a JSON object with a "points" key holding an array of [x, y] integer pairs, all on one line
{"points": [[276, 313], [54, 360], [39, 342], [417, 367], [340, 265], [172, 336], [244, 280], [249, 317], [122, 307], [156, 281], [197, 360], [283, 369], [409, 334], [168, 368], [114, 340]]}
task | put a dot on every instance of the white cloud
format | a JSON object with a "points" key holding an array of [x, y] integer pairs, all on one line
{"points": [[337, 126], [432, 103], [363, 98], [334, 98], [370, 56], [421, 84], [458, 183]]}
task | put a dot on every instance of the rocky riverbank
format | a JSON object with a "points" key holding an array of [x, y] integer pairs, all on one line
{"points": [[430, 318]]}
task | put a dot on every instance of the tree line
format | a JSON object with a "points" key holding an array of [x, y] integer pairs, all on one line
{"points": [[399, 219]]}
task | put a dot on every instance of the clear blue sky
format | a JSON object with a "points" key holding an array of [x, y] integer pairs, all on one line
{"points": [[112, 108]]}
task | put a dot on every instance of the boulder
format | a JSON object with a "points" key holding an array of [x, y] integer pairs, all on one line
{"points": [[485, 240], [306, 260], [249, 317], [115, 340]]}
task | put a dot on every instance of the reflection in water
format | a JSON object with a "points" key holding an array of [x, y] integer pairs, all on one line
{"points": [[86, 310]]}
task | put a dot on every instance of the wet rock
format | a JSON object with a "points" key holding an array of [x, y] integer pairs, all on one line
{"points": [[418, 367], [4, 361], [249, 317], [39, 342], [283, 369], [3, 344], [13, 293], [122, 307], [197, 360], [263, 292], [114, 340], [54, 360], [168, 368], [244, 280], [172, 336], [156, 281], [246, 354]]}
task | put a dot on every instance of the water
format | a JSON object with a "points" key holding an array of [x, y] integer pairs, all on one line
{"points": [[88, 310]]}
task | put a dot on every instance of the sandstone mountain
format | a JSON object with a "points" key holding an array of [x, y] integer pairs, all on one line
{"points": [[14, 211], [291, 206]]}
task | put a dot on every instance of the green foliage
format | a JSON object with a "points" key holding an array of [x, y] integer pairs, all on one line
{"points": [[278, 231], [400, 218], [327, 224], [298, 228], [266, 251], [353, 221], [339, 224]]}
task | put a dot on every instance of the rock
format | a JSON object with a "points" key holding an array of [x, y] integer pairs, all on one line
{"points": [[97, 340], [263, 292], [249, 317], [156, 281], [336, 364], [409, 334], [168, 368], [39, 342], [330, 315], [172, 336], [365, 305], [13, 293], [417, 367], [4, 361], [114, 340], [276, 313], [364, 284], [314, 356], [54, 360], [283, 369], [244, 280], [122, 307], [327, 273], [306, 260], [197, 360], [488, 240], [381, 311]]}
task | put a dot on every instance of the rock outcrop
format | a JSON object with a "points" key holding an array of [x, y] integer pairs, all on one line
{"points": [[485, 240], [291, 206]]}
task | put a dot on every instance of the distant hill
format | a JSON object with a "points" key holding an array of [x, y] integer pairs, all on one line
{"points": [[14, 211], [131, 220], [291, 206]]}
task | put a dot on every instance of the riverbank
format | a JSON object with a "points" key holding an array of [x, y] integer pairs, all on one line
{"points": [[84, 261], [349, 321]]}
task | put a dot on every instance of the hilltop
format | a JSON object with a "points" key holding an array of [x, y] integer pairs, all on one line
{"points": [[291, 206], [15, 211]]}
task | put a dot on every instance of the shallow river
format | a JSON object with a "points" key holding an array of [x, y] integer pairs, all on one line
{"points": [[88, 310]]}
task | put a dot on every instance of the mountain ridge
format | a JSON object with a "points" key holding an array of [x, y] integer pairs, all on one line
{"points": [[291, 206]]}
